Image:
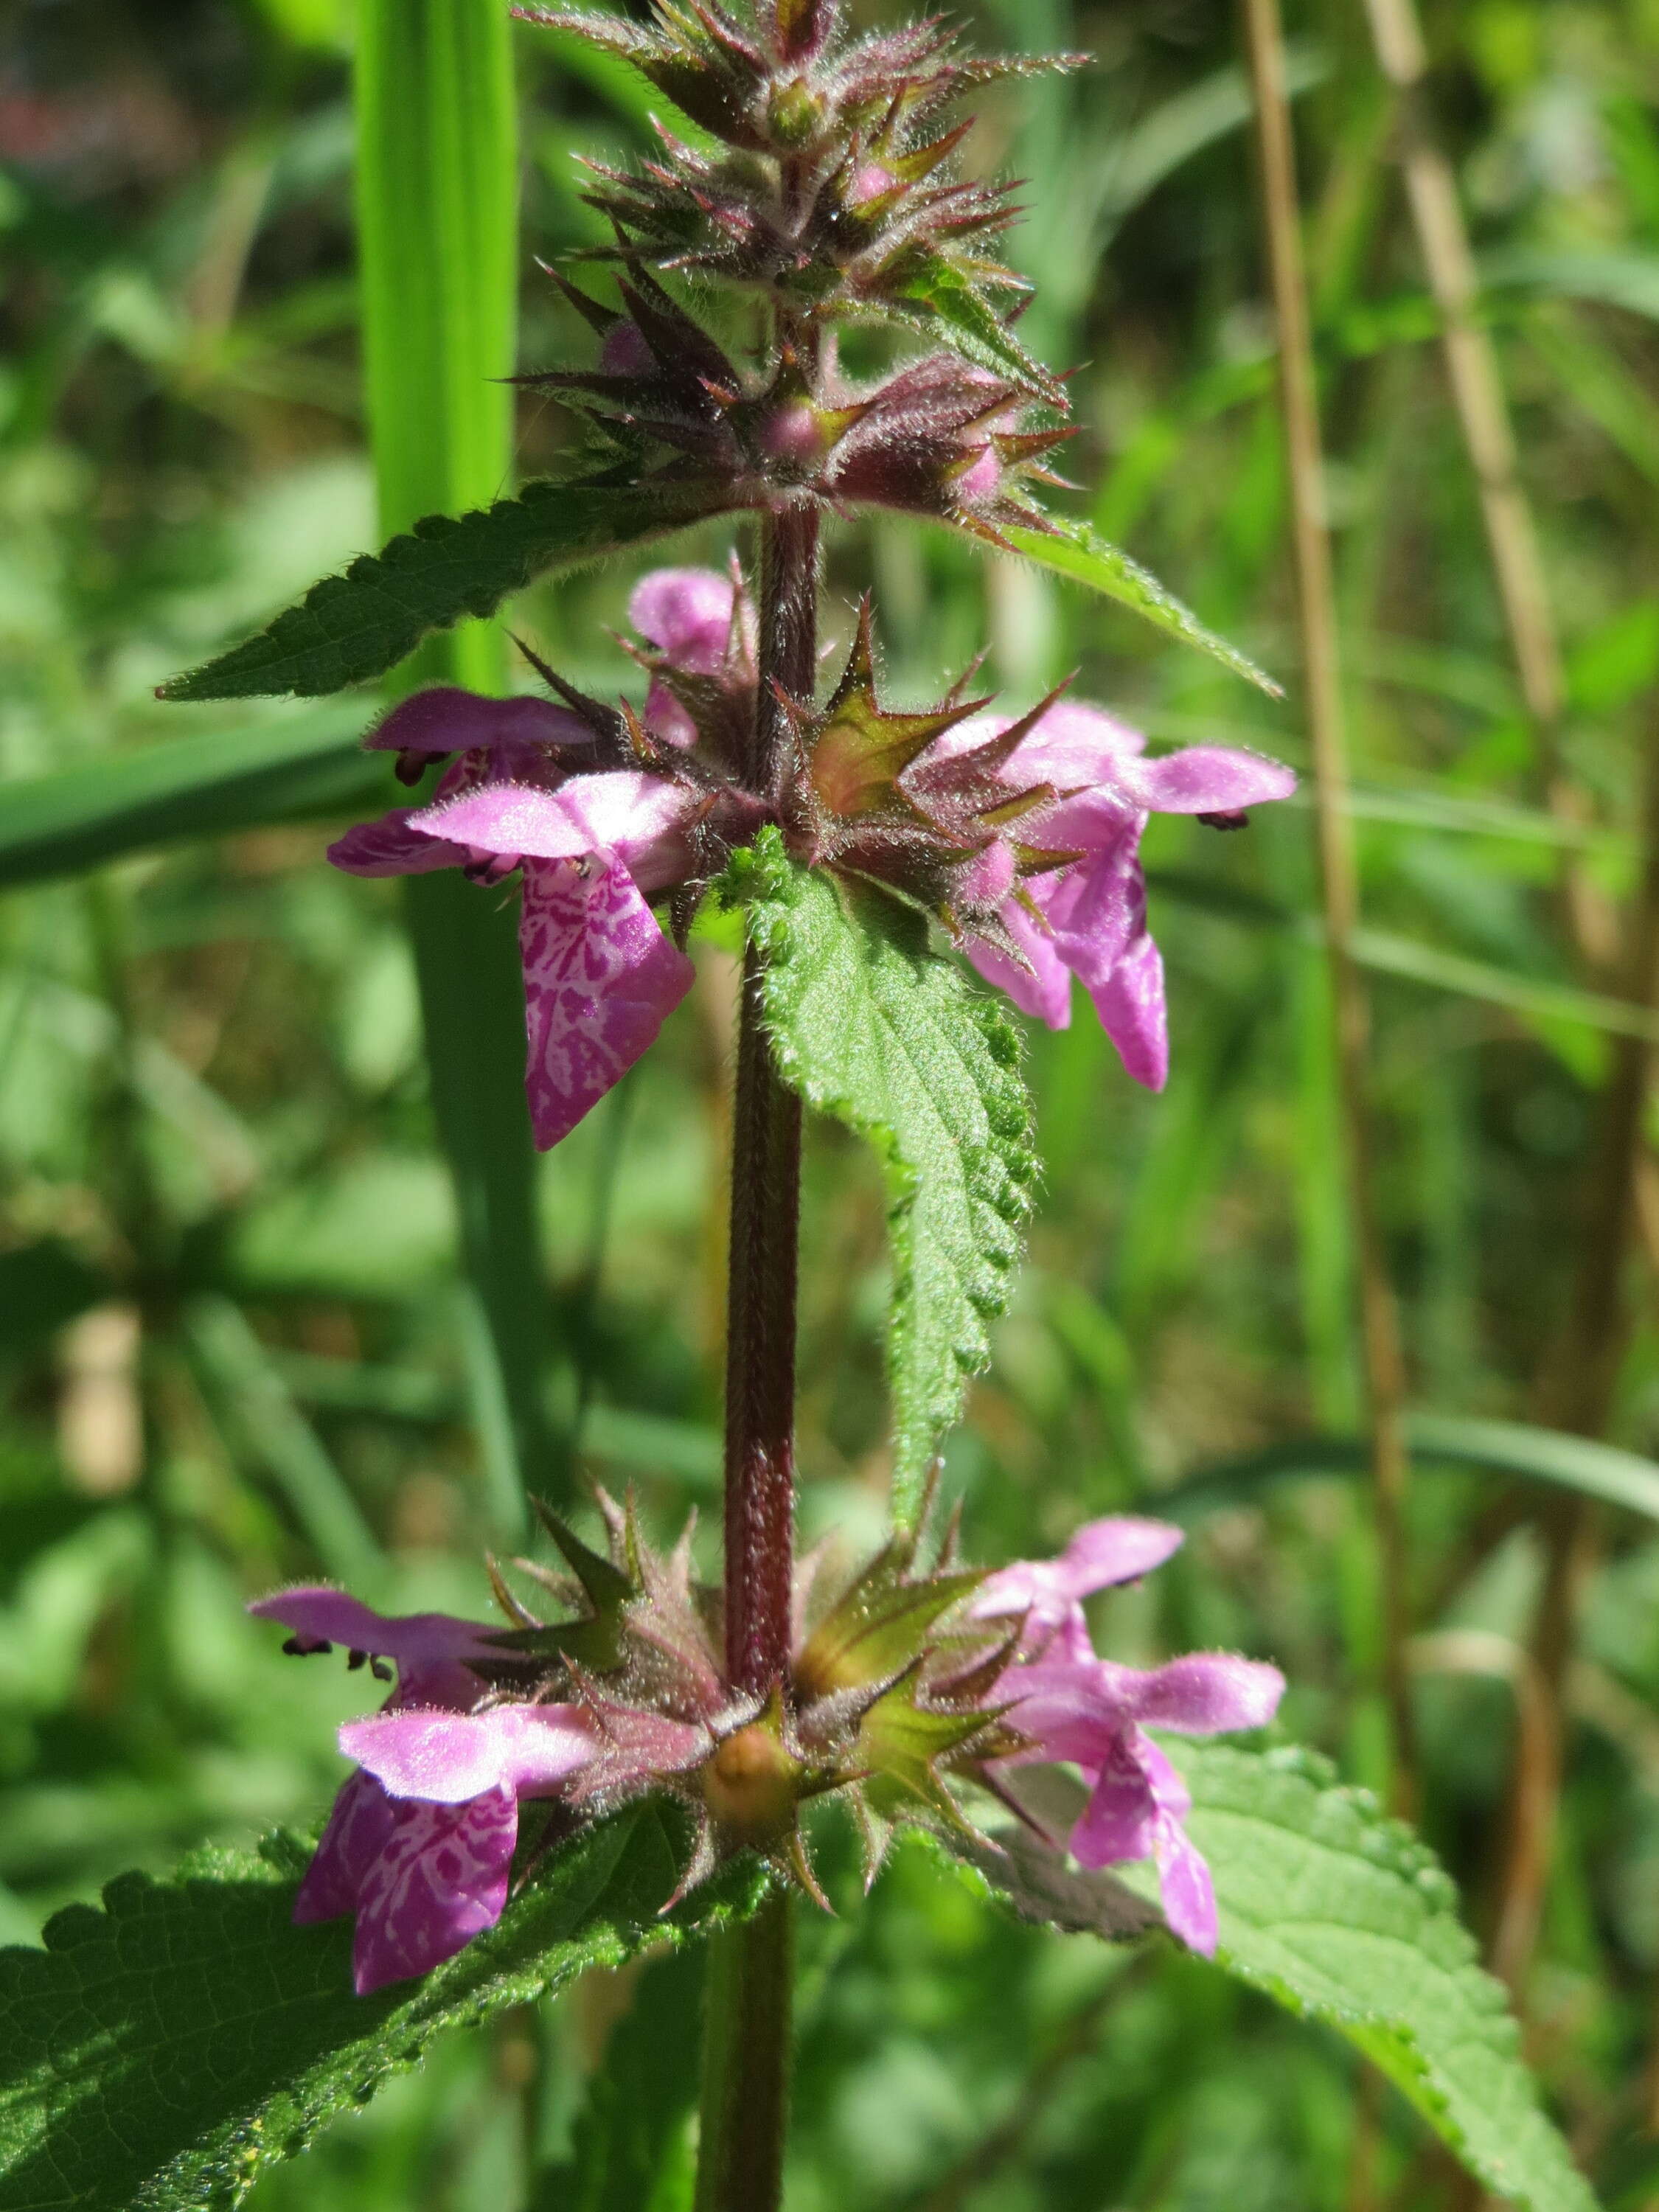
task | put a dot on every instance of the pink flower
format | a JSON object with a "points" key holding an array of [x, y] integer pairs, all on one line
{"points": [[591, 845], [1091, 918], [1049, 1592], [686, 614], [1075, 1707], [424, 1869], [419, 1845]]}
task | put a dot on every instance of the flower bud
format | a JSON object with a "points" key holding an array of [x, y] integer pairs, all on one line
{"points": [[792, 433], [794, 112], [752, 1786], [981, 479], [625, 352]]}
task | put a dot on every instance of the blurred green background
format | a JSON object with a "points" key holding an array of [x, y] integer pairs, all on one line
{"points": [[233, 1345]]}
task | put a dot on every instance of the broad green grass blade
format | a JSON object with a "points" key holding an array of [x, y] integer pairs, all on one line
{"points": [[159, 2054], [134, 800], [1479, 979], [437, 206], [1509, 1449], [1075, 550], [632, 2144]]}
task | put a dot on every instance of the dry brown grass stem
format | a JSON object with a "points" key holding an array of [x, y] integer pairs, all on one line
{"points": [[1577, 1394], [1483, 416], [1384, 1370], [1578, 1391]]}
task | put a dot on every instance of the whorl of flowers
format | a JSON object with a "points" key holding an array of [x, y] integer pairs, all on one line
{"points": [[907, 1684]]}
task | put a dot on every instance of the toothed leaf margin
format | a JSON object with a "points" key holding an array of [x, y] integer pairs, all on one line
{"points": [[350, 628], [872, 1026], [160, 2053]]}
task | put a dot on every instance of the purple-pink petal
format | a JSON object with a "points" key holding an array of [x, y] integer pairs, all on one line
{"points": [[623, 811], [1045, 989], [319, 1614], [1119, 1820], [1206, 779], [1094, 910], [450, 1757], [440, 1880], [665, 717], [431, 1649], [358, 1829], [1130, 1002], [389, 846], [1135, 1811], [447, 720], [686, 613], [600, 979], [1118, 1549], [1184, 1884], [1074, 745], [1205, 1693]]}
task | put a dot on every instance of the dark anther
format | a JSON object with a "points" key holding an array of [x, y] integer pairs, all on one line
{"points": [[355, 1661], [300, 1647], [380, 1670], [1237, 819], [411, 767], [494, 868]]}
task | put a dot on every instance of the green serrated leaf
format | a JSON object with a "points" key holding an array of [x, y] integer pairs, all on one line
{"points": [[158, 2054], [935, 296], [1345, 1916], [1074, 550], [348, 629], [895, 1040]]}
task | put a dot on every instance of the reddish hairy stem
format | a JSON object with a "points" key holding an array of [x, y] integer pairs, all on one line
{"points": [[746, 2086], [760, 1354]]}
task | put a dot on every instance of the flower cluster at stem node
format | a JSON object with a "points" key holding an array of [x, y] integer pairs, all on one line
{"points": [[909, 1689]]}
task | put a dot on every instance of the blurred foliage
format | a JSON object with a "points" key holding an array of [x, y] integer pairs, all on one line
{"points": [[232, 1345]]}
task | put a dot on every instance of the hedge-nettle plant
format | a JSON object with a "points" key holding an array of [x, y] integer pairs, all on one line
{"points": [[873, 854]]}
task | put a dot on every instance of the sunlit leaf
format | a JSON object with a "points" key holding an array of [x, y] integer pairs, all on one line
{"points": [[159, 2053], [1345, 1917], [873, 1027], [1075, 550]]}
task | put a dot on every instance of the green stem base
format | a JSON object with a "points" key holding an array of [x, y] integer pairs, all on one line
{"points": [[745, 2066]]}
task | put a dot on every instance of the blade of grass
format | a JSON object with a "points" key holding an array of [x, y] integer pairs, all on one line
{"points": [[1575, 1465], [155, 795], [1338, 879], [436, 210], [1578, 1391]]}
